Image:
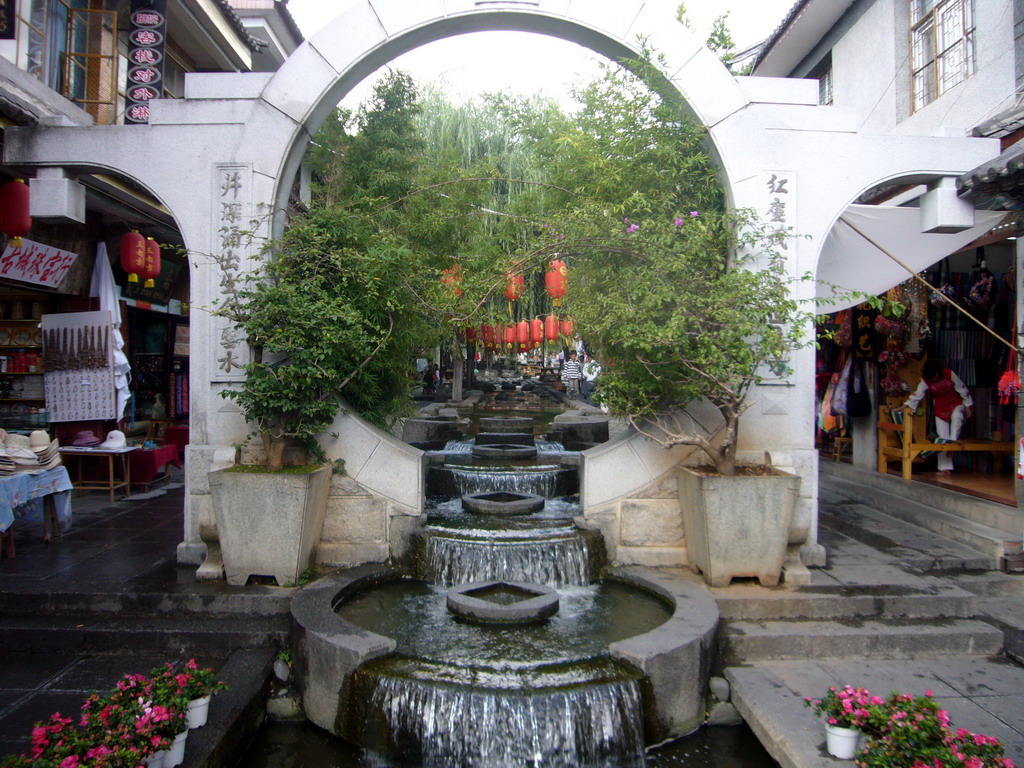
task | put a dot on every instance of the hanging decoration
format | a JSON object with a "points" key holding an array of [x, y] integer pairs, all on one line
{"points": [[470, 334], [510, 335], [536, 330], [133, 255], [566, 328], [515, 287], [452, 277], [487, 334], [523, 332], [151, 265], [556, 281], [1009, 382], [14, 218], [551, 328]]}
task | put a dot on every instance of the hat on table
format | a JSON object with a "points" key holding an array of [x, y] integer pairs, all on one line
{"points": [[115, 439], [39, 440], [85, 439]]}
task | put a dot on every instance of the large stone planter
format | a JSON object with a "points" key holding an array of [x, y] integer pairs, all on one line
{"points": [[738, 525], [269, 523]]}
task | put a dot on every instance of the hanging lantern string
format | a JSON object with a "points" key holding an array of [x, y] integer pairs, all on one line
{"points": [[933, 289]]}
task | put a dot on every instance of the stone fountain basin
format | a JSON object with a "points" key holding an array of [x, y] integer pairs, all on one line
{"points": [[503, 602], [675, 656], [504, 451], [502, 503]]}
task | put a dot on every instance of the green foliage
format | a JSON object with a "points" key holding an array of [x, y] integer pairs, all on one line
{"points": [[680, 299], [331, 308]]}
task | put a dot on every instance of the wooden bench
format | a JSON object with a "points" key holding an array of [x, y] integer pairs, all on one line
{"points": [[906, 441]]}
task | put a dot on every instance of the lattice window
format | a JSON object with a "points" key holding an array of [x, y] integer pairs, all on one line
{"points": [[90, 64], [942, 47]]}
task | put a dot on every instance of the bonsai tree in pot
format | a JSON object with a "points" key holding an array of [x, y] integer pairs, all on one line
{"points": [[683, 302]]}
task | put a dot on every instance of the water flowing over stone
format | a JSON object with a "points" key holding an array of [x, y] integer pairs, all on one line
{"points": [[554, 561], [539, 481], [580, 727]]}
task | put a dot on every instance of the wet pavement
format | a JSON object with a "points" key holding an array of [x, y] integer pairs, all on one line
{"points": [[126, 551]]}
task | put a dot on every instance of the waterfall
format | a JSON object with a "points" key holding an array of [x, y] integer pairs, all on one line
{"points": [[556, 561], [543, 482], [578, 727]]}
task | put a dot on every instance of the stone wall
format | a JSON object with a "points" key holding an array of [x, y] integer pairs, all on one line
{"points": [[362, 526]]}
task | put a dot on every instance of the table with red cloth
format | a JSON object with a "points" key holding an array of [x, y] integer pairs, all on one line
{"points": [[177, 434], [149, 464]]}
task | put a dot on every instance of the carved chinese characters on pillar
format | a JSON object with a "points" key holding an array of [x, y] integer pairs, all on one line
{"points": [[778, 212], [232, 214]]}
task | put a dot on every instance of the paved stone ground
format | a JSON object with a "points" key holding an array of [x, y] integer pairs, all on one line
{"points": [[131, 544]]}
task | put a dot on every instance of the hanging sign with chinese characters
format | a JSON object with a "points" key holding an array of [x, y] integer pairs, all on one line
{"points": [[35, 263], [864, 339], [145, 58]]}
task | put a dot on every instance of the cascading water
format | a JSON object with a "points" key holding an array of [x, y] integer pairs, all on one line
{"points": [[544, 694]]}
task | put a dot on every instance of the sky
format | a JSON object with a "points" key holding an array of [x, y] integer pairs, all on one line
{"points": [[493, 61]]}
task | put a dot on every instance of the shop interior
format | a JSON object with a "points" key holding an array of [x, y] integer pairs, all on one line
{"points": [[153, 324], [870, 361]]}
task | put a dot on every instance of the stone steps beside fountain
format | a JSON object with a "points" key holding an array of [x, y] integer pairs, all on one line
{"points": [[742, 642], [209, 635]]}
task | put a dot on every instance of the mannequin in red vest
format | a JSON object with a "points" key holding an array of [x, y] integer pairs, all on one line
{"points": [[951, 404]]}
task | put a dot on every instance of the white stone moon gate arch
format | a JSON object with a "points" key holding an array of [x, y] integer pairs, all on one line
{"points": [[227, 152]]}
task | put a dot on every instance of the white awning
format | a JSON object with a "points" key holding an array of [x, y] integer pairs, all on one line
{"points": [[850, 263]]}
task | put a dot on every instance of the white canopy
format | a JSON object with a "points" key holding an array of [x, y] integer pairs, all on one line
{"points": [[850, 263]]}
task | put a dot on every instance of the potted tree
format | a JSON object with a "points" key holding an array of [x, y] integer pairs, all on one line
{"points": [[697, 307], [328, 312]]}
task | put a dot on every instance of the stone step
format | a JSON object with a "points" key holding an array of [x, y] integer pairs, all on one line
{"points": [[18, 600], [869, 482], [741, 642], [838, 603], [909, 544], [959, 526], [75, 633]]}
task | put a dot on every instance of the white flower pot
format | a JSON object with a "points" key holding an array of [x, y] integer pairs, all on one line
{"points": [[156, 760], [176, 754], [198, 709], [841, 742]]}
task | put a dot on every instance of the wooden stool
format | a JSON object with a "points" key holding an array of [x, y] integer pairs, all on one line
{"points": [[839, 445]]}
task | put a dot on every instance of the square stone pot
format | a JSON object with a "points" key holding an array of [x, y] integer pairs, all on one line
{"points": [[737, 525], [269, 523]]}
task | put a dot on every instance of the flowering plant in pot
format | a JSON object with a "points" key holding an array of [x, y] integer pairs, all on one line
{"points": [[909, 731], [846, 707]]}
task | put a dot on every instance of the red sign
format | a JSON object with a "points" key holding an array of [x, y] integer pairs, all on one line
{"points": [[142, 93], [143, 75], [36, 263]]}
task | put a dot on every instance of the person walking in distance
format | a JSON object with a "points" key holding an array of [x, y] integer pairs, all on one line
{"points": [[951, 403], [572, 372]]}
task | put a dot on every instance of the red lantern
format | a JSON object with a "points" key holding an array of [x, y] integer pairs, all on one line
{"points": [[510, 335], [133, 255], [151, 265], [453, 276], [524, 347], [566, 327], [470, 334], [536, 330], [14, 218], [551, 328], [523, 332], [556, 281], [515, 287]]}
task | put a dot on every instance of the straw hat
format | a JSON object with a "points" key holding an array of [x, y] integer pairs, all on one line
{"points": [[39, 440], [115, 439]]}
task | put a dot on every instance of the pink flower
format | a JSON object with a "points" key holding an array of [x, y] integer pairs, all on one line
{"points": [[71, 761], [99, 751], [678, 222], [694, 214]]}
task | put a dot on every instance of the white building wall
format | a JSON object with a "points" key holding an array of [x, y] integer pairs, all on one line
{"points": [[871, 72]]}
